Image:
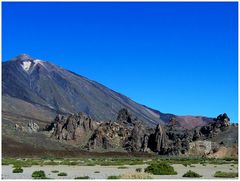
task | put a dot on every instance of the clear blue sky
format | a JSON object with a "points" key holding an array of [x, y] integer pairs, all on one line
{"points": [[175, 57]]}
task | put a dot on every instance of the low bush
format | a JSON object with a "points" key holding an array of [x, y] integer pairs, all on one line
{"points": [[51, 163], [54, 171], [138, 169], [91, 164], [113, 177], [161, 169], [96, 172], [17, 170], [122, 167], [191, 174], [136, 176], [226, 174], [83, 177], [39, 175], [62, 174]]}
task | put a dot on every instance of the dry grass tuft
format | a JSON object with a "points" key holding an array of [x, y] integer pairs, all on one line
{"points": [[136, 176]]}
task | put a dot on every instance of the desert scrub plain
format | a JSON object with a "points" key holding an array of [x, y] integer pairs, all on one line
{"points": [[118, 168]]}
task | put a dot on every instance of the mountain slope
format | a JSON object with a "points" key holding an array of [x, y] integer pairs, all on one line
{"points": [[49, 86], [56, 90]]}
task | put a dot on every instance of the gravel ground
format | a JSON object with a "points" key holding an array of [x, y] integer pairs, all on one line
{"points": [[105, 171]]}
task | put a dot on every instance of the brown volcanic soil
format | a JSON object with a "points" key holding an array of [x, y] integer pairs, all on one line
{"points": [[190, 122], [11, 148]]}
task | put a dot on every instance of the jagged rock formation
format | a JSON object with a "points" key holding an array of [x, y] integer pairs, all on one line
{"points": [[75, 127], [31, 127], [108, 136], [128, 134], [170, 140], [213, 128], [125, 118], [138, 140]]}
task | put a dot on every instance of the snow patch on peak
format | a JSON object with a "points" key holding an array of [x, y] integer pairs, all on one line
{"points": [[26, 65], [41, 62], [38, 61]]}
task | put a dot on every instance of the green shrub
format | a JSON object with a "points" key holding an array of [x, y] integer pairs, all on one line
{"points": [[51, 163], [228, 159], [17, 170], [226, 174], [113, 177], [62, 174], [191, 174], [138, 169], [54, 171], [83, 177], [96, 172], [122, 167], [39, 175], [161, 169]]}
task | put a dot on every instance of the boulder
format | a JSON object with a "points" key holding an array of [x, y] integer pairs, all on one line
{"points": [[32, 127]]}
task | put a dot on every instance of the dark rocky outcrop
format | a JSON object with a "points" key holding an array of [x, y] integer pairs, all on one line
{"points": [[75, 127], [138, 140], [213, 128], [132, 135], [31, 127], [172, 139], [125, 118], [108, 136]]}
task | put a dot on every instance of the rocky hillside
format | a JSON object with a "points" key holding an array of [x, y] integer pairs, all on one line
{"points": [[37, 88], [130, 135]]}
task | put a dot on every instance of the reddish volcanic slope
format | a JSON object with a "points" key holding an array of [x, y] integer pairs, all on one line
{"points": [[190, 122]]}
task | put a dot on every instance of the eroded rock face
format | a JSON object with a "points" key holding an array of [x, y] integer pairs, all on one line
{"points": [[174, 140], [200, 148], [74, 127], [221, 123], [108, 136], [130, 134], [170, 140], [31, 127], [125, 134], [125, 118], [159, 139], [138, 140]]}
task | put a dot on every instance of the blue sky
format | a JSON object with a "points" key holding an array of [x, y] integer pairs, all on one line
{"points": [[178, 58]]}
